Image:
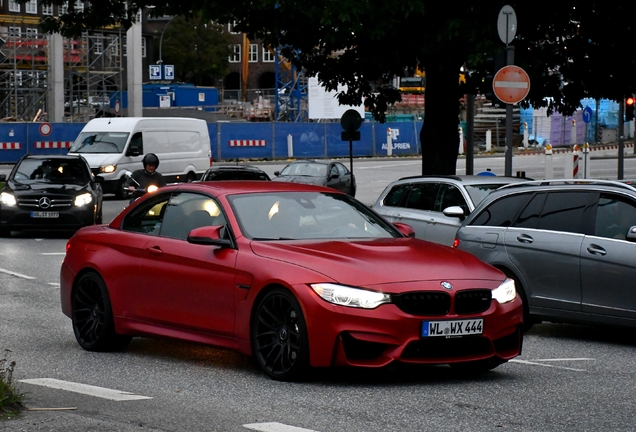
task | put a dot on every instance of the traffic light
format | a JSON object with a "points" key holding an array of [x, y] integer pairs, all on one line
{"points": [[629, 108]]}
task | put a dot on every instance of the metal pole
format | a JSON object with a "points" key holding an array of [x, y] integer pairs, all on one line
{"points": [[470, 128], [160, 61], [621, 140], [510, 58]]}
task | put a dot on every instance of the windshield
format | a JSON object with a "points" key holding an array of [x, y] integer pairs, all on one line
{"points": [[100, 142], [56, 171], [305, 169], [307, 215], [478, 192]]}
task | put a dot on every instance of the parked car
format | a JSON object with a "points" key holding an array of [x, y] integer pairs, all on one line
{"points": [[319, 172], [436, 205], [568, 244], [234, 172], [297, 275], [50, 192]]}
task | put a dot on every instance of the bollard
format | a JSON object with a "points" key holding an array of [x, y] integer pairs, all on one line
{"points": [[290, 146], [488, 140], [461, 141], [526, 142], [389, 142], [573, 132], [586, 161], [549, 167], [575, 162]]}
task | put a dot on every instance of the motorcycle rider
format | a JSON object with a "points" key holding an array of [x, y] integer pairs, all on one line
{"points": [[146, 177]]}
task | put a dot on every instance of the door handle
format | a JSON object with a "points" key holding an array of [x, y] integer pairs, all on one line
{"points": [[524, 238], [154, 250], [431, 221], [398, 216], [596, 250]]}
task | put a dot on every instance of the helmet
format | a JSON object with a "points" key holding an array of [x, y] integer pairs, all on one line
{"points": [[151, 159]]}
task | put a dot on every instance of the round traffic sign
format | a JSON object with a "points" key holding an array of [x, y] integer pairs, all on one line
{"points": [[507, 24], [351, 120], [45, 129], [511, 84], [117, 107], [587, 114]]}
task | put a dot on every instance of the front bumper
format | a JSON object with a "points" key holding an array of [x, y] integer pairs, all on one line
{"points": [[342, 336], [73, 218]]}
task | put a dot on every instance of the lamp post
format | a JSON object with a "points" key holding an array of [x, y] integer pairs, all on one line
{"points": [[160, 61]]}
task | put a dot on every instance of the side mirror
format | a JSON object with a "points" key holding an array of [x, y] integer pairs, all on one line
{"points": [[405, 229], [133, 151], [276, 173], [99, 179], [3, 177], [454, 211], [631, 234], [208, 235]]}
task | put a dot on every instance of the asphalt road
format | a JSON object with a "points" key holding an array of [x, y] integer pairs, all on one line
{"points": [[568, 377]]}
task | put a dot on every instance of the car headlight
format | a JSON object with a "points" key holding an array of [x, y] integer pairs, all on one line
{"points": [[506, 292], [83, 199], [7, 199], [352, 297], [107, 169]]}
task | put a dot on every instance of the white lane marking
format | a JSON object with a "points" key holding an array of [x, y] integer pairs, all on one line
{"points": [[53, 253], [390, 165], [9, 272], [55, 284], [275, 427], [100, 392], [564, 359], [546, 365]]}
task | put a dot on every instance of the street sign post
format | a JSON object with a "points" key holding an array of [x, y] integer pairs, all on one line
{"points": [[511, 84], [351, 121]]}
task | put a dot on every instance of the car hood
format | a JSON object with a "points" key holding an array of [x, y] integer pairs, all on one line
{"points": [[301, 179], [380, 261], [95, 160], [52, 188]]}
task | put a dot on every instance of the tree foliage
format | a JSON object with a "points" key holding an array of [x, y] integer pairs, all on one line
{"points": [[197, 48], [571, 51]]}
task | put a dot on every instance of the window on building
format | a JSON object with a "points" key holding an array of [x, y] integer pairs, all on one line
{"points": [[79, 6], [268, 56], [230, 28], [31, 6], [47, 9], [15, 32], [98, 44], [253, 58], [14, 6], [124, 46], [143, 47], [32, 32], [236, 56], [63, 9], [114, 45]]}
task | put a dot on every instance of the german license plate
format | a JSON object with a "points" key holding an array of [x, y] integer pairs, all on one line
{"points": [[45, 214], [452, 328]]}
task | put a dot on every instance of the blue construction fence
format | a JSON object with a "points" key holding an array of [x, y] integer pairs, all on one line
{"points": [[231, 141]]}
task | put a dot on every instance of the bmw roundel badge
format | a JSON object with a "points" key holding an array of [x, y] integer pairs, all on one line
{"points": [[447, 285]]}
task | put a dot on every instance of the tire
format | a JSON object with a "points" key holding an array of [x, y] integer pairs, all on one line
{"points": [[279, 336], [476, 367], [92, 316], [191, 177], [99, 219]]}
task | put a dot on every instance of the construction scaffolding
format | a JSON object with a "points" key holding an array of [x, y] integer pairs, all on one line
{"points": [[92, 72]]}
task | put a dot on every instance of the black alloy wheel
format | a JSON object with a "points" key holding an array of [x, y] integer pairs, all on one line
{"points": [[279, 336], [93, 317]]}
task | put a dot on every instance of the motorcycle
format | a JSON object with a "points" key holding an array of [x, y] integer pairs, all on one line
{"points": [[139, 191]]}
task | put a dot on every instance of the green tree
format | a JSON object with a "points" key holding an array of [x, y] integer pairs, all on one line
{"points": [[197, 48], [571, 51]]}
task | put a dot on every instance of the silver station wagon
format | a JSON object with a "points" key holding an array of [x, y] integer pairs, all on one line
{"points": [[570, 246]]}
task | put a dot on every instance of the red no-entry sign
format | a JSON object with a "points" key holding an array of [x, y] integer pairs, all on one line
{"points": [[511, 84]]}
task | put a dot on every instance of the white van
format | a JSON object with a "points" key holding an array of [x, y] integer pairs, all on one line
{"points": [[113, 146]]}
